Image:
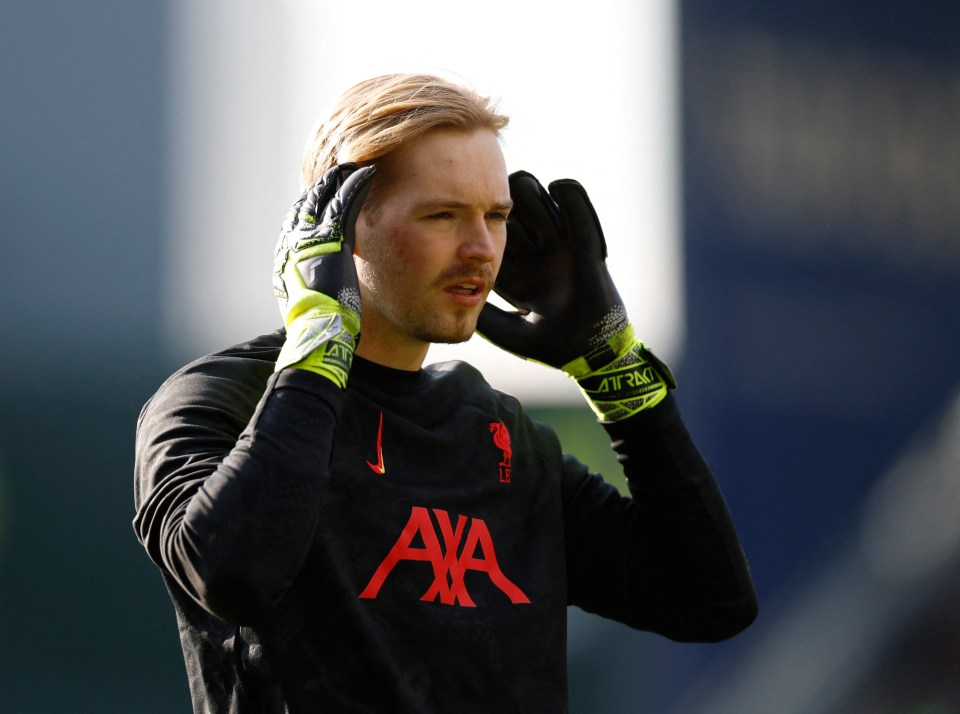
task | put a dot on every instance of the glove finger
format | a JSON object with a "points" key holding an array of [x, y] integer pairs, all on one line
{"points": [[290, 220], [516, 256], [319, 193], [535, 211], [308, 226], [342, 210], [333, 273], [579, 218]]}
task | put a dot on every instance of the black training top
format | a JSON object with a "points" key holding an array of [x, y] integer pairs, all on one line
{"points": [[411, 544]]}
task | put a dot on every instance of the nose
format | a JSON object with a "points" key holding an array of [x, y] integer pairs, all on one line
{"points": [[480, 242]]}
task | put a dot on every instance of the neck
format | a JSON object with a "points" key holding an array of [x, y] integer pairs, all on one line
{"points": [[407, 356]]}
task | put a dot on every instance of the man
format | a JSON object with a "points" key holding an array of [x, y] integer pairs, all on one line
{"points": [[343, 530]]}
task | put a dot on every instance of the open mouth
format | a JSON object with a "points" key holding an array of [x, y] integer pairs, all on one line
{"points": [[464, 289]]}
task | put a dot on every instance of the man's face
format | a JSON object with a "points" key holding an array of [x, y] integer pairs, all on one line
{"points": [[428, 256]]}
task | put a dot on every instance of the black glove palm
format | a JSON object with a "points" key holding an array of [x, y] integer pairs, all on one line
{"points": [[569, 313], [554, 273]]}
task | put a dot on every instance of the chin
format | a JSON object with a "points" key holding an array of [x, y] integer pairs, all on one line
{"points": [[451, 336]]}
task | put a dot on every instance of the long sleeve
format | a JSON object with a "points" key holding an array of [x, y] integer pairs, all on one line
{"points": [[230, 474], [668, 560]]}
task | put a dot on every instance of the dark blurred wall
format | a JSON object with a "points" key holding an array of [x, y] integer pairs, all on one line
{"points": [[84, 621], [81, 192], [822, 224], [821, 197]]}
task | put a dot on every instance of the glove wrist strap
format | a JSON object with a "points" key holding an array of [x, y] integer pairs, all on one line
{"points": [[621, 377], [319, 342]]}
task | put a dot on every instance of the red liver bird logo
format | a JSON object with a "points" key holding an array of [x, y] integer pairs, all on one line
{"points": [[501, 439]]}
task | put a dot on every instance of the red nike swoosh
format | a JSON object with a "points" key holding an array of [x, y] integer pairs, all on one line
{"points": [[379, 468]]}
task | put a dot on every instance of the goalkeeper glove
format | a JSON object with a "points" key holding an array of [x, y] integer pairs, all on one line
{"points": [[314, 277], [569, 313]]}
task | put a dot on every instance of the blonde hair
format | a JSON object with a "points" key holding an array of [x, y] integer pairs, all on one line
{"points": [[380, 115]]}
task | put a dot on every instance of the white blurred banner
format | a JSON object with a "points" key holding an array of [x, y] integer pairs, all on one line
{"points": [[591, 90]]}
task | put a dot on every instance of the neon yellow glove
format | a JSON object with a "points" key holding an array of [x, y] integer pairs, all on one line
{"points": [[314, 278]]}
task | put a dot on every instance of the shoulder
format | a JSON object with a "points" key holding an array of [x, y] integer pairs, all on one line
{"points": [[233, 378], [240, 360], [200, 410]]}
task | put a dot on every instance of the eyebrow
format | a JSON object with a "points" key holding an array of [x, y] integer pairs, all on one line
{"points": [[441, 203]]}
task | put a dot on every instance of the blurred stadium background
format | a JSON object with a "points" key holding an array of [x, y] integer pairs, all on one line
{"points": [[816, 265]]}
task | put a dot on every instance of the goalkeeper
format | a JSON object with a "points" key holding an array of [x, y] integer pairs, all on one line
{"points": [[342, 529]]}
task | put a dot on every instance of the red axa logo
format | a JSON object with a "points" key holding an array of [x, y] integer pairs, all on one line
{"points": [[450, 561], [501, 439]]}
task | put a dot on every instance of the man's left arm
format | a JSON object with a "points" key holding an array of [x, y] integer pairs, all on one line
{"points": [[668, 559]]}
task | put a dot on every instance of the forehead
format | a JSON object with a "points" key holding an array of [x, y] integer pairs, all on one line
{"points": [[449, 163]]}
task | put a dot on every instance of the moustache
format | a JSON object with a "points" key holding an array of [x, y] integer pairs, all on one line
{"points": [[459, 273]]}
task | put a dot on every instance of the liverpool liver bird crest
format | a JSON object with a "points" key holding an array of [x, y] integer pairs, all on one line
{"points": [[501, 438]]}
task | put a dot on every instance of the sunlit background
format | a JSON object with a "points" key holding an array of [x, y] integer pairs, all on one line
{"points": [[780, 189], [604, 114]]}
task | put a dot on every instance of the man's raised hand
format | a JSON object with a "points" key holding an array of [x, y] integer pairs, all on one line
{"points": [[569, 314], [314, 278]]}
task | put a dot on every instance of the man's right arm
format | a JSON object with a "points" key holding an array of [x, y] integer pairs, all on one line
{"points": [[228, 508], [228, 492]]}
